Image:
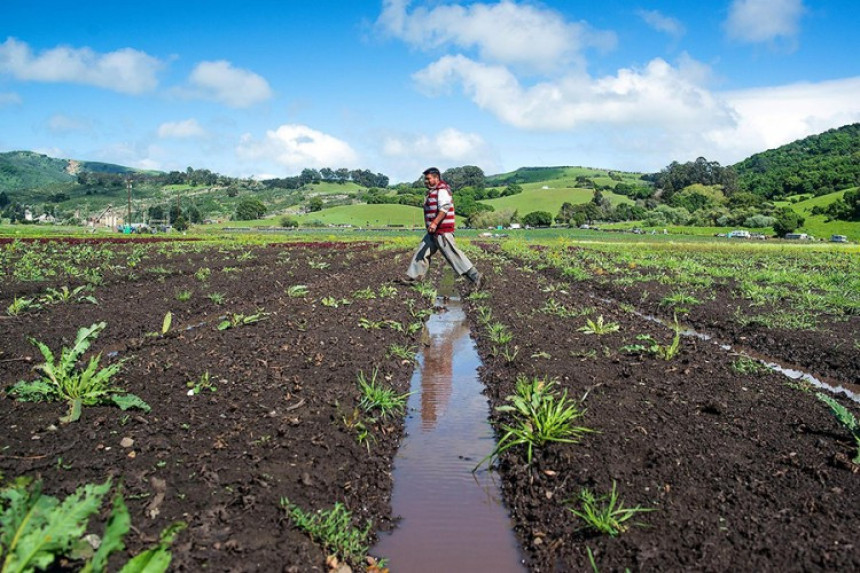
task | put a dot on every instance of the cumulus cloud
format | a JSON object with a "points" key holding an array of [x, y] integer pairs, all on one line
{"points": [[756, 21], [221, 82], [185, 129], [662, 23], [658, 94], [447, 147], [126, 70], [297, 147], [506, 32]]}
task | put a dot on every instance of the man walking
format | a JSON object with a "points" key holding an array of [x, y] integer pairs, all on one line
{"points": [[439, 221]]}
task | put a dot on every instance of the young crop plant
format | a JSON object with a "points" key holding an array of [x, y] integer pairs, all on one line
{"points": [[203, 274], [499, 333], [509, 353], [65, 295], [605, 514], [376, 398], [297, 291], [404, 353], [333, 302], [426, 290], [365, 293], [368, 324], [236, 319], [246, 256], [539, 416], [21, 305], [680, 300], [485, 314], [318, 265], [846, 418], [478, 295], [598, 327], [333, 529], [387, 291], [39, 531], [202, 383], [62, 380]]}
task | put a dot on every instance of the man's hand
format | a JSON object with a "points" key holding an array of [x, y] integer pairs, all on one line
{"points": [[432, 227]]}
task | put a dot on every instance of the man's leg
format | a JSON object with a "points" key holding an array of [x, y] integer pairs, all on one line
{"points": [[420, 262], [457, 258]]}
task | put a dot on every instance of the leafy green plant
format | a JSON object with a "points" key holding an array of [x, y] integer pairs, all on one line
{"points": [[368, 324], [598, 327], [539, 416], [749, 366], [184, 295], [365, 293], [318, 265], [20, 305], [62, 380], [202, 383], [509, 353], [845, 418], [387, 291], [236, 319], [216, 297], [333, 529], [297, 291], [478, 295], [426, 290], [679, 299], [203, 273], [333, 302], [405, 353], [36, 529], [499, 333], [65, 295], [376, 398], [605, 514]]}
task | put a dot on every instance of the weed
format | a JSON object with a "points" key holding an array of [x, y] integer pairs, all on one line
{"points": [[184, 295], [36, 529], [333, 529], [749, 366], [598, 327], [216, 297], [605, 514], [377, 398], [63, 381], [539, 416], [845, 418], [405, 353]]}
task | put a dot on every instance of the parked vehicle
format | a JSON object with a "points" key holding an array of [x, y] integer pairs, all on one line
{"points": [[838, 239]]}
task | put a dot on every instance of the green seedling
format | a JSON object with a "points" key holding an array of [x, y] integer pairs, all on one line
{"points": [[377, 399], [478, 295], [605, 514], [202, 383], [749, 366], [846, 418], [297, 291], [509, 353], [65, 295], [387, 291], [332, 302], [318, 265], [539, 416], [598, 327], [333, 529], [368, 324], [21, 305], [426, 290], [499, 333], [404, 353], [37, 530], [365, 293], [61, 379], [203, 274], [184, 295], [216, 297], [236, 319]]}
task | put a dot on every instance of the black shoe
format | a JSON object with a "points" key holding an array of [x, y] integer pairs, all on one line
{"points": [[408, 281], [478, 282]]}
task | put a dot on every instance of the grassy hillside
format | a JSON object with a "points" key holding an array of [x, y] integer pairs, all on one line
{"points": [[21, 170], [817, 225], [566, 176], [367, 216], [536, 198]]}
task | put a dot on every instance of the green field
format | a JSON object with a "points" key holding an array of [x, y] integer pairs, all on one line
{"points": [[535, 198]]}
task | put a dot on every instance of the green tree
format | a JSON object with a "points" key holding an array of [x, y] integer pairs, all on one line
{"points": [[249, 209], [538, 219], [288, 222], [315, 204], [4, 200], [786, 220]]}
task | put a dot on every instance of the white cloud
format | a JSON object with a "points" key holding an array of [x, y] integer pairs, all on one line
{"points": [[9, 98], [658, 95], [126, 70], [234, 87], [185, 129], [297, 147], [662, 23], [756, 21], [506, 32], [446, 148]]}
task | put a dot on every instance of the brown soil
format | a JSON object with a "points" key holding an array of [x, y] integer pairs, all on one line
{"points": [[220, 461], [742, 472]]}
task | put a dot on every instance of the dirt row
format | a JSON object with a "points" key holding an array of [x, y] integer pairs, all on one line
{"points": [[275, 423], [738, 471]]}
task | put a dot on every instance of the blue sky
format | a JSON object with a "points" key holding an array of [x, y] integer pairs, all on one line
{"points": [[267, 88]]}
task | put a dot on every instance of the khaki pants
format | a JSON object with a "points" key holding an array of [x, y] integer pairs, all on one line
{"points": [[420, 263]]}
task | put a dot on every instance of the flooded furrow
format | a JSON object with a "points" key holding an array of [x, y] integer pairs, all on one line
{"points": [[450, 518]]}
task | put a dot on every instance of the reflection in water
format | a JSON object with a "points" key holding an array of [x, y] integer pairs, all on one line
{"points": [[450, 518]]}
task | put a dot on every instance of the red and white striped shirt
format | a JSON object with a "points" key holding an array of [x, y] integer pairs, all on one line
{"points": [[440, 198]]}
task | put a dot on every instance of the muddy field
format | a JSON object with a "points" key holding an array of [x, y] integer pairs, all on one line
{"points": [[739, 470], [273, 425]]}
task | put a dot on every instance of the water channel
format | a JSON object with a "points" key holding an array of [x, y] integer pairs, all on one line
{"points": [[450, 518]]}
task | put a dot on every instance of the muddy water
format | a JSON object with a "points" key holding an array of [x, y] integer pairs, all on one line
{"points": [[451, 519]]}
